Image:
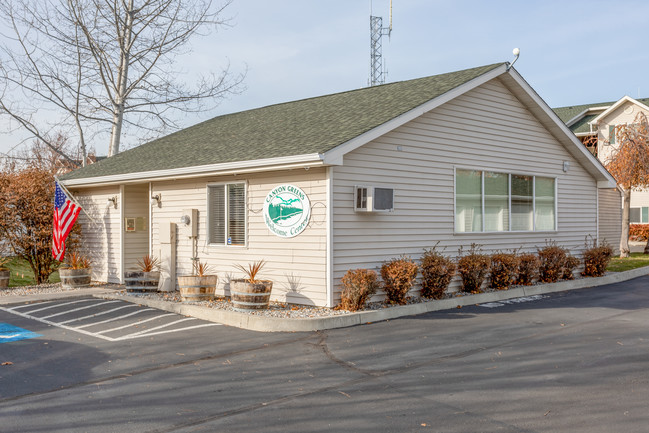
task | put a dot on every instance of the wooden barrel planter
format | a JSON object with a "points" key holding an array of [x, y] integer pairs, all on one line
{"points": [[74, 278], [197, 288], [4, 279], [138, 281], [247, 296]]}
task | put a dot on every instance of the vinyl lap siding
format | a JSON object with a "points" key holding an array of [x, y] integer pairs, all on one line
{"points": [[101, 235], [610, 217], [297, 266], [488, 129]]}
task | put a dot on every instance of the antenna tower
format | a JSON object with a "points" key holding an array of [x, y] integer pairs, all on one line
{"points": [[377, 31]]}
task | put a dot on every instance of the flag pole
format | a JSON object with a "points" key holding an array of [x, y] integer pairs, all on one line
{"points": [[74, 200]]}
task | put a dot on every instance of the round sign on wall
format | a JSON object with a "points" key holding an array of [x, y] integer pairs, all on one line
{"points": [[287, 211]]}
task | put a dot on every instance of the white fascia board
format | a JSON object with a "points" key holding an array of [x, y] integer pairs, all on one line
{"points": [[335, 155], [237, 167], [583, 134], [584, 113], [613, 107], [577, 149]]}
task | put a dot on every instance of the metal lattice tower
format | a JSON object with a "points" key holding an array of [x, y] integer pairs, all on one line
{"points": [[377, 72]]}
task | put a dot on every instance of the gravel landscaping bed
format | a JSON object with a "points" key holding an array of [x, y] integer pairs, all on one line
{"points": [[49, 288]]}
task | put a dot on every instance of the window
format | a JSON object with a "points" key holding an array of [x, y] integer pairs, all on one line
{"points": [[611, 134], [226, 205], [468, 201], [496, 201], [522, 203], [639, 215], [508, 202]]}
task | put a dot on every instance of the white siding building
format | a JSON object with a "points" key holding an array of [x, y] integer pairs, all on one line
{"points": [[469, 156]]}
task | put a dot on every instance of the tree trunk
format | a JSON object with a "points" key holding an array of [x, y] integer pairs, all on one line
{"points": [[626, 208], [120, 96]]}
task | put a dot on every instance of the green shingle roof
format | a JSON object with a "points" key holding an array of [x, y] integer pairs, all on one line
{"points": [[303, 127], [581, 125]]}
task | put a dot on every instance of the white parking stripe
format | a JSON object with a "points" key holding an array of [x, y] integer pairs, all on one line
{"points": [[162, 328], [57, 324], [116, 318], [154, 328], [79, 309], [98, 314], [148, 334], [135, 323], [30, 305], [59, 305]]}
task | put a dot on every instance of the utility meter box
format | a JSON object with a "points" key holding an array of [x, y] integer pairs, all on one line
{"points": [[193, 221]]}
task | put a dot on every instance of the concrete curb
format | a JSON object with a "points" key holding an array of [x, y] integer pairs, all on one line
{"points": [[275, 324], [73, 293]]}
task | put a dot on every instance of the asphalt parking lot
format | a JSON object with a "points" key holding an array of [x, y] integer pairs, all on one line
{"points": [[572, 361], [110, 320]]}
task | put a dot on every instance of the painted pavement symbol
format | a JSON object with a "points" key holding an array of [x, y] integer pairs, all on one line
{"points": [[13, 333], [77, 307], [512, 301]]}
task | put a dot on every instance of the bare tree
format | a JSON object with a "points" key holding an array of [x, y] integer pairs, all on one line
{"points": [[629, 164], [92, 69]]}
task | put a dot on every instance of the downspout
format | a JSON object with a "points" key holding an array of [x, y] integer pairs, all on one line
{"points": [[330, 244]]}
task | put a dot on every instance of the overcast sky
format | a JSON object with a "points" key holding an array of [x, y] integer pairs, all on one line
{"points": [[572, 52]]}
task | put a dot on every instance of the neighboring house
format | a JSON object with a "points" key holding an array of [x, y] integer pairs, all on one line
{"points": [[595, 124], [469, 156]]}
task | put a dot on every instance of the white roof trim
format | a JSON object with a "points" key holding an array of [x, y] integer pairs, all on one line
{"points": [[578, 150], [334, 156], [584, 113], [286, 162], [621, 101]]}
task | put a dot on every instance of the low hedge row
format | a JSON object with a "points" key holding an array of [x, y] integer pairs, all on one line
{"points": [[503, 269]]}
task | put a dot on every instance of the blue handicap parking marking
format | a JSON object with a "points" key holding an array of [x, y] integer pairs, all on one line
{"points": [[13, 333]]}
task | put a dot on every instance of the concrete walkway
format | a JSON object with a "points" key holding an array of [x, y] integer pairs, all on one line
{"points": [[274, 324]]}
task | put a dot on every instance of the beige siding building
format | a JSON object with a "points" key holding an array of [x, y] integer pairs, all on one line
{"points": [[473, 156]]}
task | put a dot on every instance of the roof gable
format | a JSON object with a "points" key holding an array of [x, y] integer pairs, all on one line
{"points": [[616, 105]]}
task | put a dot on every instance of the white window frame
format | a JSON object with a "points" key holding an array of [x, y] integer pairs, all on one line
{"points": [[226, 211], [510, 174]]}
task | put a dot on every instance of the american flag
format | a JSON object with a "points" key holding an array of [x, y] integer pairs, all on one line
{"points": [[66, 212]]}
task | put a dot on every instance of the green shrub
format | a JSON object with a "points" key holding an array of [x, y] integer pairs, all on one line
{"points": [[473, 268], [569, 267], [437, 271], [398, 278], [596, 259], [528, 269], [358, 286], [504, 269], [553, 261]]}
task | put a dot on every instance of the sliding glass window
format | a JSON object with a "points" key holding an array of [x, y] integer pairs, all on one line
{"points": [[487, 201], [468, 201]]}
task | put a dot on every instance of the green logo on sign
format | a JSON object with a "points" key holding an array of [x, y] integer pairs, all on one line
{"points": [[286, 211]]}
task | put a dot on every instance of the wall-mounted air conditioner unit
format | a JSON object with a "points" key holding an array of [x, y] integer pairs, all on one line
{"points": [[373, 199]]}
